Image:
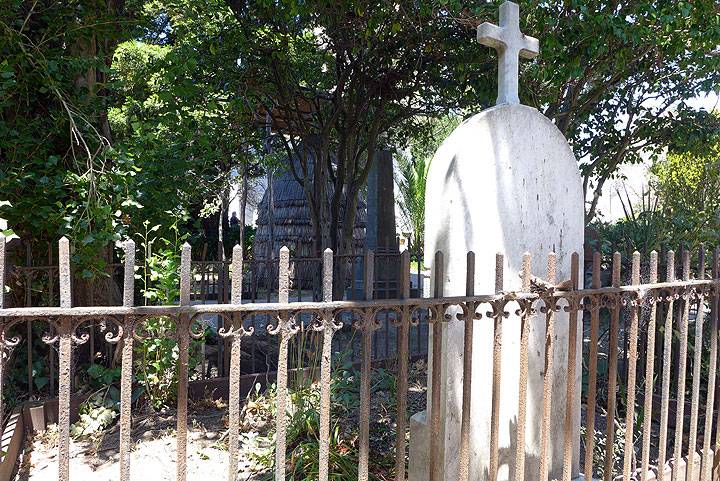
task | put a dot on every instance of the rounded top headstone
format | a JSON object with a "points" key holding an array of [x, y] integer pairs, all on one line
{"points": [[505, 180]]}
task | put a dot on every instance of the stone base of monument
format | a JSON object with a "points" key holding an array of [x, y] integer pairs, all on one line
{"points": [[418, 468]]}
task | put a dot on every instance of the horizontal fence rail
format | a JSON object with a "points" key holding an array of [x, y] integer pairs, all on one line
{"points": [[648, 359]]}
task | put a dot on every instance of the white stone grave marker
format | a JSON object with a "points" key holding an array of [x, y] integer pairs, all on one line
{"points": [[504, 181]]}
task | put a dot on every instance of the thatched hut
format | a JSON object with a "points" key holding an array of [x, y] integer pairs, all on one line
{"points": [[293, 228]]}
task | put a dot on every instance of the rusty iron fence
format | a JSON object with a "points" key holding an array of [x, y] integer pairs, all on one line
{"points": [[666, 408], [33, 283]]}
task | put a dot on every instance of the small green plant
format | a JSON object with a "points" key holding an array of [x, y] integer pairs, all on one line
{"points": [[303, 425], [103, 406], [157, 355]]}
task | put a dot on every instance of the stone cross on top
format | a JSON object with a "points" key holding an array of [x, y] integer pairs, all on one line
{"points": [[511, 44]]}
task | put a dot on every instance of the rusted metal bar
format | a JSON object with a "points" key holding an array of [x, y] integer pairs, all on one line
{"points": [[706, 473], [183, 342], [682, 363], [572, 360], [3, 268], [667, 353], [612, 371], [285, 329], [496, 370], [632, 365], [235, 353], [403, 339], [525, 311], [65, 366], [127, 363], [28, 324], [467, 372], [368, 325], [275, 307], [649, 374], [697, 359], [436, 431], [592, 368], [545, 434], [328, 327]]}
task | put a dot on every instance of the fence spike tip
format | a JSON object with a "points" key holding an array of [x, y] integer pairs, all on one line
{"points": [[284, 249]]}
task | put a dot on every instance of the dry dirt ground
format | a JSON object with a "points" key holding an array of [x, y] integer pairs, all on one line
{"points": [[153, 455], [154, 442]]}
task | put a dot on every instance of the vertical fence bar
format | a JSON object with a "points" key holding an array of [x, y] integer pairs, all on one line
{"points": [[467, 371], [697, 359], [649, 373], [366, 364], [632, 365], [496, 370], [3, 268], [183, 341], [286, 330], [403, 340], [328, 327], [667, 353], [28, 324], [65, 366], [545, 434], [572, 360], [525, 312], [705, 474], [682, 364], [127, 363], [51, 302], [235, 353], [436, 444], [612, 370], [592, 367]]}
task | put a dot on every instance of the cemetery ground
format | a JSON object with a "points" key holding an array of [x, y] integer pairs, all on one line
{"points": [[94, 457]]}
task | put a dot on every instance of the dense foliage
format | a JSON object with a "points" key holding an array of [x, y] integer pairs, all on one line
{"points": [[116, 112]]}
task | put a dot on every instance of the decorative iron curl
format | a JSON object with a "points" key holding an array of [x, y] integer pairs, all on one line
{"points": [[574, 303], [469, 311], [498, 309], [7, 341], [687, 293], [52, 336], [415, 315], [700, 292], [196, 329], [325, 320], [525, 308], [672, 294], [368, 319], [238, 331], [110, 336], [285, 324], [550, 304], [610, 300]]}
